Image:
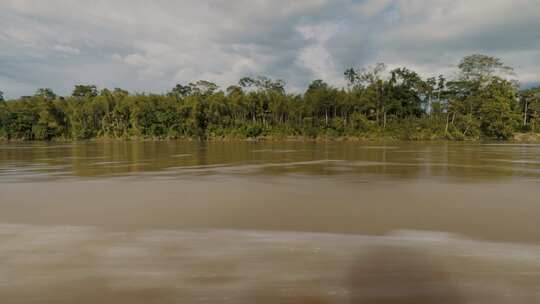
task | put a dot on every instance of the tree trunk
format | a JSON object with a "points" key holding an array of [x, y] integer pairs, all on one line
{"points": [[447, 120], [525, 112], [429, 105], [326, 116]]}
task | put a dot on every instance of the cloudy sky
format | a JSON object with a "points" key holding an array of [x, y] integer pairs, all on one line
{"points": [[144, 45]]}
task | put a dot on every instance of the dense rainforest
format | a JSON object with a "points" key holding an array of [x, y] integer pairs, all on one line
{"points": [[480, 101]]}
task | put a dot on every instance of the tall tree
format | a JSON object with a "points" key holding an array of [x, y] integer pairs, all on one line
{"points": [[530, 100], [203, 87], [88, 91], [481, 68], [496, 115], [45, 93], [482, 85], [180, 91]]}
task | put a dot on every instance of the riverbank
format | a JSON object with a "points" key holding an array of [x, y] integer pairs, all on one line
{"points": [[526, 138], [517, 138]]}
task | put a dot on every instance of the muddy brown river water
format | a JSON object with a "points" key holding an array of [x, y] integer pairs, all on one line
{"points": [[269, 222]]}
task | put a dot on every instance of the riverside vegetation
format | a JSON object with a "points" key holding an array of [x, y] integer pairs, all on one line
{"points": [[481, 101]]}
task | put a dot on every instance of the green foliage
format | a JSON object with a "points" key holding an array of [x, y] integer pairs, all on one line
{"points": [[50, 123], [359, 123], [496, 120], [530, 107], [21, 117], [82, 91], [480, 102], [497, 117], [478, 67], [45, 93], [253, 130]]}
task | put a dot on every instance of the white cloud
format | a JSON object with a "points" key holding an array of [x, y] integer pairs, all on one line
{"points": [[136, 60], [66, 50], [150, 45], [315, 56]]}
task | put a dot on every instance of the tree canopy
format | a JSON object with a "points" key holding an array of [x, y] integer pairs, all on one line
{"points": [[482, 100]]}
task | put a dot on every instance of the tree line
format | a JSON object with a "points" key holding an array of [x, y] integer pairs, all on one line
{"points": [[480, 101]]}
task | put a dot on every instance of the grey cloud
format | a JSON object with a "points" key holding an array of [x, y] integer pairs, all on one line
{"points": [[149, 46]]}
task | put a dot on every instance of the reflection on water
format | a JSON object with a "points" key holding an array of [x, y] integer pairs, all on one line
{"points": [[269, 222], [456, 161]]}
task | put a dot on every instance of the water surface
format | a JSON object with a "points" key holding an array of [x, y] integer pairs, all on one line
{"points": [[182, 222], [488, 191]]}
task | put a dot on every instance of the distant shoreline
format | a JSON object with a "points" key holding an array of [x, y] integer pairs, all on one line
{"points": [[481, 102], [517, 138]]}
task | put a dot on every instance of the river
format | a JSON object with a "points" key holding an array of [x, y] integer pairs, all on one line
{"points": [[269, 222]]}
